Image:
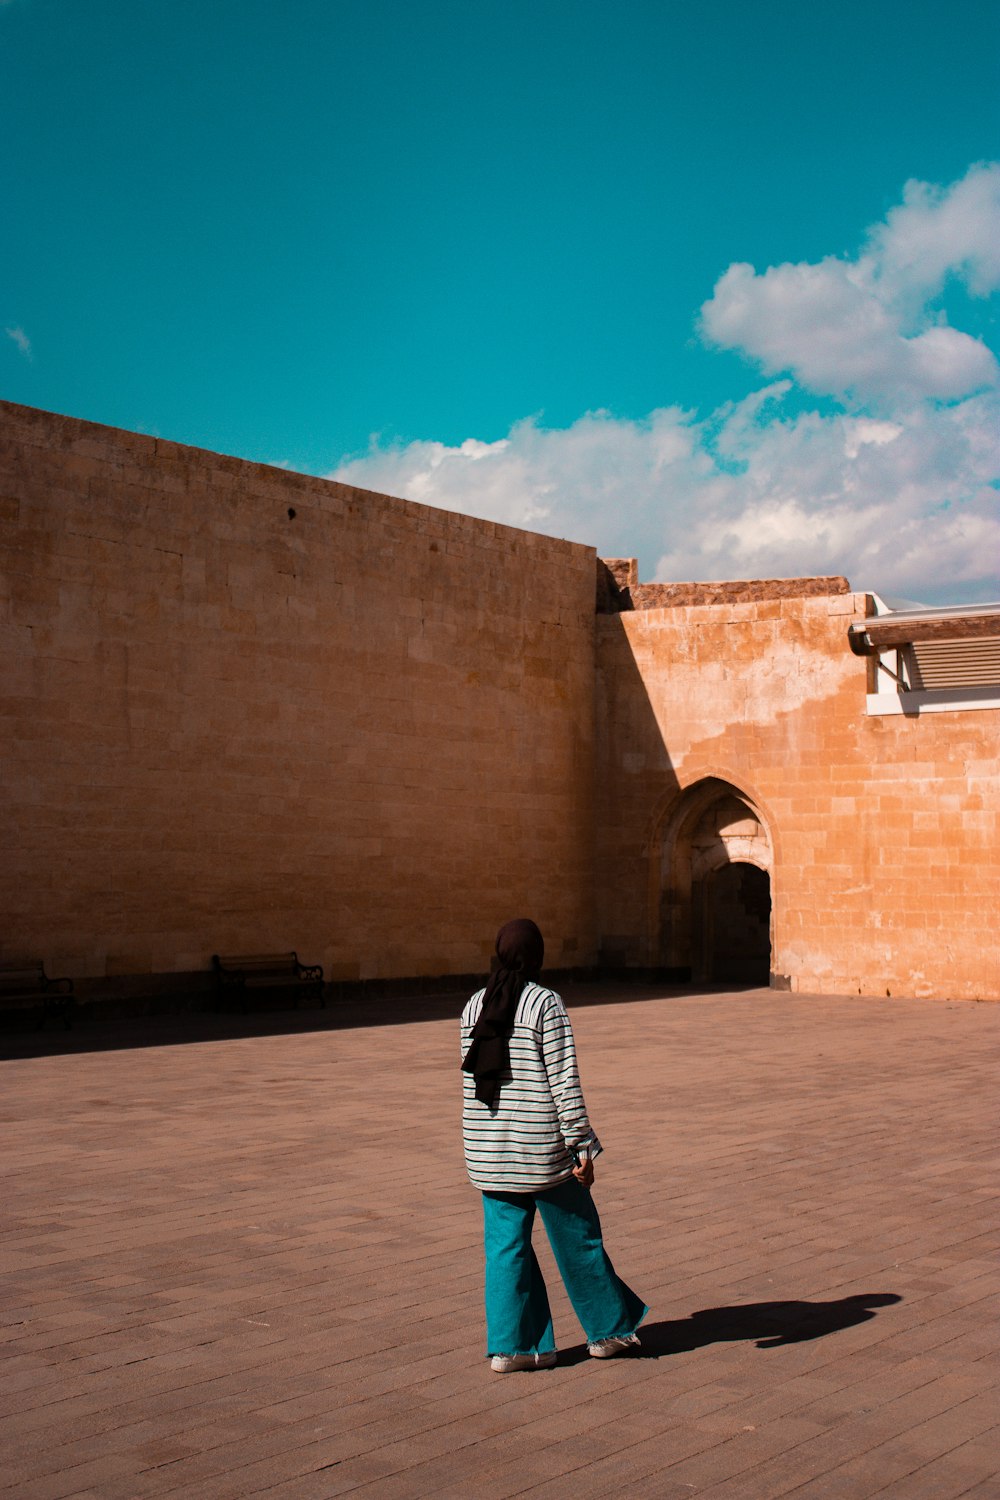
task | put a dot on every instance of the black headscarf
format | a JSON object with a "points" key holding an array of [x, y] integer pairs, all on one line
{"points": [[520, 950]]}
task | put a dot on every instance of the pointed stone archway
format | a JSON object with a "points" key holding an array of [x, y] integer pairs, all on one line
{"points": [[714, 887], [733, 909]]}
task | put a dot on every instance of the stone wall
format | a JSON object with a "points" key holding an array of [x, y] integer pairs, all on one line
{"points": [[880, 835], [248, 710]]}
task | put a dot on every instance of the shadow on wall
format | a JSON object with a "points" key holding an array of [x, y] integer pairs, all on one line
{"points": [[684, 874], [634, 775]]}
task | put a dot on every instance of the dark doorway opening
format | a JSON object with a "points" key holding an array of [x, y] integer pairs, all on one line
{"points": [[738, 924]]}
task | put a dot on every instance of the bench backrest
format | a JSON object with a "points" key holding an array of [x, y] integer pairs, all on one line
{"points": [[257, 963], [18, 977]]}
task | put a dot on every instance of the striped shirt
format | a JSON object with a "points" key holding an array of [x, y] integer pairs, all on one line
{"points": [[525, 1141]]}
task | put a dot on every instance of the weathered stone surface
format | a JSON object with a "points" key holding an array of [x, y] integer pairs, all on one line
{"points": [[615, 577], [883, 834], [738, 591], [250, 710]]}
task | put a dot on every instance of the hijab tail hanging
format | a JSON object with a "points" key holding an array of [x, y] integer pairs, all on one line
{"points": [[520, 950]]}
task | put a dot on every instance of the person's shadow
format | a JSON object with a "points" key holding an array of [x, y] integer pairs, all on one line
{"points": [[769, 1324]]}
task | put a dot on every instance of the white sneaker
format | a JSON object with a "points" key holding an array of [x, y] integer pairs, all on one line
{"points": [[608, 1348], [505, 1364]]}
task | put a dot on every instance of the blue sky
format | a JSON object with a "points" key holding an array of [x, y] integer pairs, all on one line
{"points": [[711, 284]]}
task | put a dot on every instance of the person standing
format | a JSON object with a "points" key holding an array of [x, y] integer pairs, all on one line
{"points": [[529, 1146]]}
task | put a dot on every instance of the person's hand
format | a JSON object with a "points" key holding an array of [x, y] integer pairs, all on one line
{"points": [[585, 1172]]}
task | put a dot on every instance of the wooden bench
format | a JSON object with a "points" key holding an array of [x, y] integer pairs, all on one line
{"points": [[26, 986], [236, 975]]}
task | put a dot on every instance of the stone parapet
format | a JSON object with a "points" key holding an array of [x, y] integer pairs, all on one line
{"points": [[739, 591]]}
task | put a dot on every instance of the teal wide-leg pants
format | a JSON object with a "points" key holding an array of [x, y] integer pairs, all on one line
{"points": [[518, 1320]]}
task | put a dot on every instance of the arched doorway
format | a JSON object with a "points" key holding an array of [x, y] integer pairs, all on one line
{"points": [[736, 945], [714, 884]]}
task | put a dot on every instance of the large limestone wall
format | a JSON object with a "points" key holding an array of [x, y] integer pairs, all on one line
{"points": [[246, 709], [884, 831], [363, 730]]}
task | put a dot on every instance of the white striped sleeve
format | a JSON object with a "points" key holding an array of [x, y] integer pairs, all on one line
{"points": [[559, 1056], [525, 1140]]}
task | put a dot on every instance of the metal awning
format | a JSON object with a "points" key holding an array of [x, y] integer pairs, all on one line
{"points": [[907, 627]]}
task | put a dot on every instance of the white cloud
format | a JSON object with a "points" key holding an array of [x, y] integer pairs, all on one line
{"points": [[825, 325], [898, 489], [937, 232], [19, 336], [905, 507], [865, 330], [867, 431], [562, 481]]}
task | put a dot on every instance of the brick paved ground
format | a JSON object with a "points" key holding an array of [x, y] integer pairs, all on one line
{"points": [[252, 1266]]}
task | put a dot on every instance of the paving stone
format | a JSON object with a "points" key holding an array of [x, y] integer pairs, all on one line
{"points": [[963, 1471], [230, 1273], [988, 1489]]}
